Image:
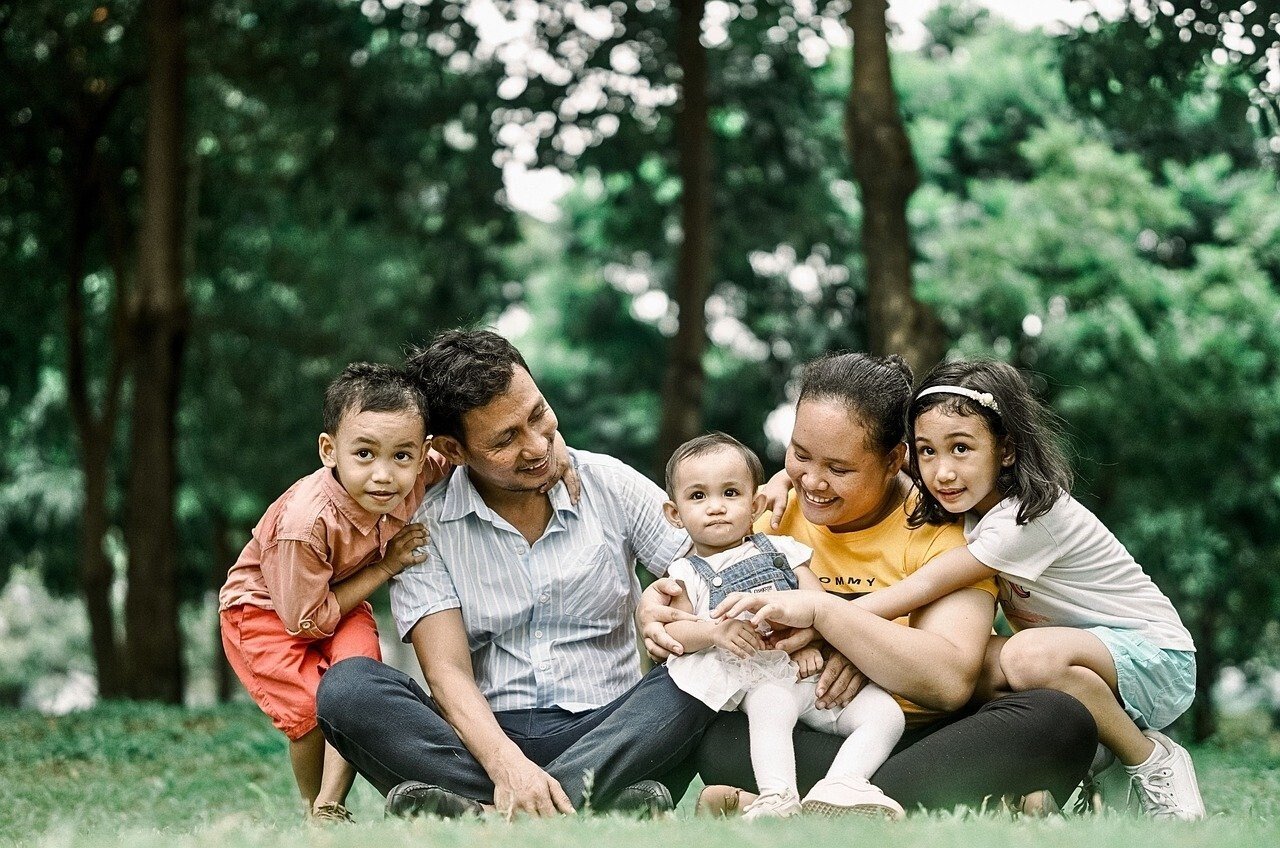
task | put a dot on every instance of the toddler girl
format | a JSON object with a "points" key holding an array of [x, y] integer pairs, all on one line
{"points": [[712, 482]]}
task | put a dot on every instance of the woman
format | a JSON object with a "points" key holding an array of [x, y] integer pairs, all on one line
{"points": [[850, 504]]}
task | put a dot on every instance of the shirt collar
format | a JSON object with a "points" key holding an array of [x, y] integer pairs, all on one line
{"points": [[461, 499], [361, 518]]}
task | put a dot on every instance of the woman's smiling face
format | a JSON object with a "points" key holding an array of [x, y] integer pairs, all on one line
{"points": [[840, 481]]}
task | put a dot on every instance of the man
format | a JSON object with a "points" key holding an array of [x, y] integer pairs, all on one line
{"points": [[522, 619]]}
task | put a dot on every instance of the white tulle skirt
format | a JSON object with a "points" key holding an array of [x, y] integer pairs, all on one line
{"points": [[719, 679]]}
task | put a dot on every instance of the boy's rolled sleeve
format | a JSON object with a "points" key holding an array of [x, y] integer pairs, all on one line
{"points": [[297, 576]]}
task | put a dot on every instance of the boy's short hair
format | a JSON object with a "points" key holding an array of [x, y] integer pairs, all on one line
{"points": [[462, 370], [710, 443], [371, 387]]}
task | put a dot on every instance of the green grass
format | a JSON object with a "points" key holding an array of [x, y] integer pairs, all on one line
{"points": [[154, 776]]}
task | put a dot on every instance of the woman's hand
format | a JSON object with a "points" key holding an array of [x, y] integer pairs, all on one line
{"points": [[786, 609], [654, 612], [775, 498]]}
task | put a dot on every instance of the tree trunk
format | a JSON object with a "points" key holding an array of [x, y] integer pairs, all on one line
{"points": [[223, 558], [886, 171], [95, 436], [159, 322], [683, 381], [1204, 722]]}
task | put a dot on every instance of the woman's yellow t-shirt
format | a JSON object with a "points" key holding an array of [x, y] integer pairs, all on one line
{"points": [[852, 564]]}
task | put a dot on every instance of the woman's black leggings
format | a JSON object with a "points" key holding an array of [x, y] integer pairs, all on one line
{"points": [[1011, 746]]}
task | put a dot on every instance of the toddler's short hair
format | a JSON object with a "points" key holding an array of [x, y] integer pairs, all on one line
{"points": [[710, 443], [371, 387]]}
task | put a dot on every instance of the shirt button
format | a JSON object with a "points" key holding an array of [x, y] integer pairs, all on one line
{"points": [[537, 634], [545, 666], [544, 598], [716, 581]]}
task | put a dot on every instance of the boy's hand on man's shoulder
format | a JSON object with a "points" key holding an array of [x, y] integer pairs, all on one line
{"points": [[568, 473], [406, 548]]}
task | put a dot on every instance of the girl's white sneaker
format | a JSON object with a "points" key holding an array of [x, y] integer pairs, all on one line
{"points": [[850, 796], [1166, 783], [773, 805]]}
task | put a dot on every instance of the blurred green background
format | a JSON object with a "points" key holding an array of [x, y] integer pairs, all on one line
{"points": [[669, 206]]}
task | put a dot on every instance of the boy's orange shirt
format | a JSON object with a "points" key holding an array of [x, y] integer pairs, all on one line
{"points": [[313, 536]]}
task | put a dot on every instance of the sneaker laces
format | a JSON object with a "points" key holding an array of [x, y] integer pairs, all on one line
{"points": [[1156, 791]]}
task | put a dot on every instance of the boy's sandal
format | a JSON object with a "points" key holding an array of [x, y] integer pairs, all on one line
{"points": [[720, 801], [332, 812]]}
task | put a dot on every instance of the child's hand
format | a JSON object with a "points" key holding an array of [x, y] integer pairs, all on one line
{"points": [[775, 497], [569, 474], [402, 550], [738, 638], [809, 658]]}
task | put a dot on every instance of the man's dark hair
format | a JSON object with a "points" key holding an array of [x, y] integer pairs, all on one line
{"points": [[461, 370], [371, 387], [710, 443]]}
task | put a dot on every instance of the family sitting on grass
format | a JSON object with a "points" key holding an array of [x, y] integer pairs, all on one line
{"points": [[854, 594]]}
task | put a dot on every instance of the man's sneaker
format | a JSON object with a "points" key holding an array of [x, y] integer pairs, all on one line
{"points": [[331, 812], [648, 799], [414, 798], [1166, 783], [773, 805], [845, 796]]}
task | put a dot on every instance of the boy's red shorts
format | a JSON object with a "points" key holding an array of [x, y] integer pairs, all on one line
{"points": [[282, 672]]}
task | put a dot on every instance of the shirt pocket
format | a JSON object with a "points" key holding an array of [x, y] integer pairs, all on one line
{"points": [[595, 588]]}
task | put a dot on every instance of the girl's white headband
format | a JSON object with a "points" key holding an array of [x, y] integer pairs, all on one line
{"points": [[981, 398]]}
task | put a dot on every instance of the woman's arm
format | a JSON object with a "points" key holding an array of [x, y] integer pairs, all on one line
{"points": [[934, 663], [942, 575]]}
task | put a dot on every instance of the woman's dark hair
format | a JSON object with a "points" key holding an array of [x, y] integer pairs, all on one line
{"points": [[462, 370], [876, 389], [1040, 473], [369, 387]]}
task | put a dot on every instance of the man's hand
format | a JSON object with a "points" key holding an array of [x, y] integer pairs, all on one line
{"points": [[738, 638], [809, 659], [788, 609], [655, 611], [839, 682], [403, 549], [521, 788], [775, 498]]}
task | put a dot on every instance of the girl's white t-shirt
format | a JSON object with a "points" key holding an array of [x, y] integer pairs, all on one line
{"points": [[1066, 569]]}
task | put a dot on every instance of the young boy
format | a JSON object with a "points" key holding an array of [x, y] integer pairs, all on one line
{"points": [[712, 482], [294, 602]]}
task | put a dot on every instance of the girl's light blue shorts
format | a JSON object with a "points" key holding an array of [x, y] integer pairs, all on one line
{"points": [[1156, 684]]}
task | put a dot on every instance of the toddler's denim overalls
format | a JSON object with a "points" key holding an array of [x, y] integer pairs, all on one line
{"points": [[761, 572]]}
